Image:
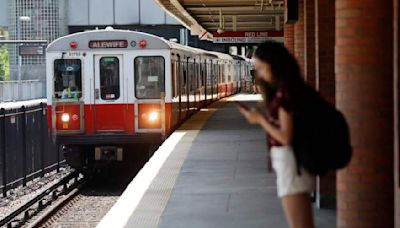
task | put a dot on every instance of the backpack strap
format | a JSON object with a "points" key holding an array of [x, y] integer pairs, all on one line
{"points": [[297, 163], [298, 169]]}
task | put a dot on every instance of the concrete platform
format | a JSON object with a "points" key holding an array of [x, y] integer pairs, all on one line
{"points": [[209, 173]]}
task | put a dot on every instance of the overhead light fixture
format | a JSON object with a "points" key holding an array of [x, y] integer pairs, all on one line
{"points": [[25, 18]]}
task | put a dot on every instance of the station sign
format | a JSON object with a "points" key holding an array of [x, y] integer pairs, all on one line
{"points": [[247, 37], [31, 50], [108, 44]]}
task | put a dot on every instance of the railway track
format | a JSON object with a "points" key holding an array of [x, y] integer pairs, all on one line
{"points": [[75, 200], [43, 218], [82, 207], [85, 209], [68, 185]]}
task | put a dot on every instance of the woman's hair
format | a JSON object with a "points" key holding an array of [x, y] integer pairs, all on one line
{"points": [[284, 68]]}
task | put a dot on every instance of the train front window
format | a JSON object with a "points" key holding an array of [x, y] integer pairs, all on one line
{"points": [[149, 77], [67, 78], [109, 78]]}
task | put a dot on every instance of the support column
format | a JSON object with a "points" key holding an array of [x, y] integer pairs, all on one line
{"points": [[364, 85], [289, 37], [325, 83], [325, 48], [309, 41], [396, 87], [299, 38]]}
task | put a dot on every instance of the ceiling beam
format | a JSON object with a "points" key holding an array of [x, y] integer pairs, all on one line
{"points": [[238, 15], [188, 3], [233, 9], [215, 19], [185, 18], [241, 23], [247, 28]]}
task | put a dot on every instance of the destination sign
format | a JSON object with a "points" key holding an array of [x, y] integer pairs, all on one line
{"points": [[108, 44], [31, 50], [247, 37]]}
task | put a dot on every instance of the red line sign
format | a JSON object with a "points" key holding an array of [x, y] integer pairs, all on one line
{"points": [[247, 37]]}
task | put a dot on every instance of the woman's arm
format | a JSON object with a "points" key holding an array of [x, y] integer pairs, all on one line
{"points": [[284, 134]]}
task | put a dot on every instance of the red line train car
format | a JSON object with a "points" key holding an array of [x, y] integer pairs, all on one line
{"points": [[108, 90]]}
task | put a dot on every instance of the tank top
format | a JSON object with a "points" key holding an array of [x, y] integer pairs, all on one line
{"points": [[280, 99]]}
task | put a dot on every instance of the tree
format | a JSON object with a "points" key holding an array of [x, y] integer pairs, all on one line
{"points": [[4, 64]]}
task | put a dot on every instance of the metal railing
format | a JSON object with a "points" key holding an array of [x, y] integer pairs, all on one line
{"points": [[26, 148], [22, 90]]}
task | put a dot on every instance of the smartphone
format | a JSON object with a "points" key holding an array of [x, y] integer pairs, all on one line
{"points": [[240, 104]]}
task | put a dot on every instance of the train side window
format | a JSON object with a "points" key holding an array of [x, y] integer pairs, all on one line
{"points": [[202, 74], [215, 75], [198, 70], [183, 78], [149, 77], [193, 81], [109, 78], [173, 78], [191, 77], [67, 78]]}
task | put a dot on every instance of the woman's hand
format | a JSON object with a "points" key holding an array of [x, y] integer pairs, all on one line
{"points": [[252, 115], [282, 134]]}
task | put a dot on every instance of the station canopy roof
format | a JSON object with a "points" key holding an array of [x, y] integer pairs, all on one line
{"points": [[208, 18]]}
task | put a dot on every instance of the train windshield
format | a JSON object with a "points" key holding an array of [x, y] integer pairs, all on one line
{"points": [[67, 78], [149, 77], [109, 78]]}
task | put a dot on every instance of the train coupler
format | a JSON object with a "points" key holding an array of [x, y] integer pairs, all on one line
{"points": [[108, 153]]}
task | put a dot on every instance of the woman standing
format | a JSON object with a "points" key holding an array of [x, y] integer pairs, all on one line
{"points": [[282, 88]]}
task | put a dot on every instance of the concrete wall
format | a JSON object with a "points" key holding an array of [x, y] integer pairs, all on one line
{"points": [[24, 90], [29, 72], [4, 13], [116, 12]]}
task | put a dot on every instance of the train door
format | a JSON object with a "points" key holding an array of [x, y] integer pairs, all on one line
{"points": [[188, 81], [208, 82], [110, 103], [179, 83], [205, 75], [175, 94], [192, 85], [196, 83], [215, 80], [211, 78]]}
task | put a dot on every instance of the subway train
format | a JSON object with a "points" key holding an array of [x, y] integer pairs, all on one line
{"points": [[112, 93]]}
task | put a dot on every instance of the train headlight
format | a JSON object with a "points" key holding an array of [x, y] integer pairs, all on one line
{"points": [[65, 117], [153, 116]]}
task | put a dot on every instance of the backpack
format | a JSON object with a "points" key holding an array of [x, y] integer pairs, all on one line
{"points": [[321, 140]]}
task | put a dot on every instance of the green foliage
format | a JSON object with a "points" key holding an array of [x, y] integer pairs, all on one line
{"points": [[4, 64]]}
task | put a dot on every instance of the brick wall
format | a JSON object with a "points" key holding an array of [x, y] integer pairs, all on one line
{"points": [[364, 92], [288, 30], [299, 37], [396, 63], [325, 48], [309, 41]]}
